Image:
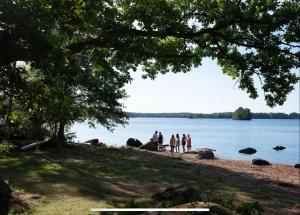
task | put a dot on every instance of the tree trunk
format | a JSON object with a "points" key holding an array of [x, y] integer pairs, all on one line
{"points": [[7, 117], [61, 133]]}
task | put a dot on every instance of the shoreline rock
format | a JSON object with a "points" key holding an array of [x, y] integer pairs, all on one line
{"points": [[260, 162], [197, 150], [205, 154], [151, 146], [248, 151], [297, 165], [133, 142], [95, 142]]}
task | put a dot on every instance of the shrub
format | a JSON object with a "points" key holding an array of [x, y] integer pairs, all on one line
{"points": [[6, 147]]}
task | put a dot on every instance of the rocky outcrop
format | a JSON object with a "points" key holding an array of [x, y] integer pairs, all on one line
{"points": [[178, 194], [132, 142], [151, 146], [260, 162], [5, 196], [279, 148], [248, 151], [297, 166], [205, 154]]}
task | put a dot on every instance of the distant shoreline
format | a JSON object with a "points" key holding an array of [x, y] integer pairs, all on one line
{"points": [[224, 115]]}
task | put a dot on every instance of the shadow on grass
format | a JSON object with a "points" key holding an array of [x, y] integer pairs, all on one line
{"points": [[123, 176]]}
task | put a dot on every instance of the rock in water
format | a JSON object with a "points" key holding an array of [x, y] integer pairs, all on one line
{"points": [[5, 196], [260, 162], [151, 146], [279, 148], [205, 154], [133, 142], [248, 151], [297, 166], [179, 194]]}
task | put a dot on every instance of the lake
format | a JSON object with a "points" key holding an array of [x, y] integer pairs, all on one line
{"points": [[226, 136]]}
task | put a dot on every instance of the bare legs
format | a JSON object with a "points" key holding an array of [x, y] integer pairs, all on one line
{"points": [[177, 149]]}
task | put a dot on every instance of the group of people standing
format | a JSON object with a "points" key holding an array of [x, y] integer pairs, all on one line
{"points": [[175, 142]]}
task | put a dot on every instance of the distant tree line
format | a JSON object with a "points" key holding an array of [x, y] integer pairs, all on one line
{"points": [[222, 115]]}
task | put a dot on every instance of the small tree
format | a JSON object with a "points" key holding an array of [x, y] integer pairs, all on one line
{"points": [[241, 114], [75, 89]]}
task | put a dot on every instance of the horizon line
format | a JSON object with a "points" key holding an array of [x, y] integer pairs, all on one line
{"points": [[207, 113]]}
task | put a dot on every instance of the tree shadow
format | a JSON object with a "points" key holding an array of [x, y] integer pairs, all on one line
{"points": [[120, 176]]}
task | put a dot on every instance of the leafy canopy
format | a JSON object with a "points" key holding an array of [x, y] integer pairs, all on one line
{"points": [[247, 38]]}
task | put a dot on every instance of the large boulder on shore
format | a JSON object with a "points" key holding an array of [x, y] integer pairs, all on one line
{"points": [[297, 165], [260, 162], [279, 148], [205, 154], [196, 151], [5, 196], [151, 146], [179, 194], [134, 142], [248, 151]]}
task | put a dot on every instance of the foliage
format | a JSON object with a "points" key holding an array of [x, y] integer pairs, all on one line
{"points": [[247, 38], [5, 147], [92, 92], [18, 122], [66, 61], [241, 114]]}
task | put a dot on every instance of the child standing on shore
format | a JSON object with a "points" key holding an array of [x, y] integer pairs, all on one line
{"points": [[172, 143], [160, 141], [183, 142], [177, 149], [189, 143]]}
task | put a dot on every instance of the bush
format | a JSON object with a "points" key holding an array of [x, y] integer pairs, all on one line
{"points": [[6, 147]]}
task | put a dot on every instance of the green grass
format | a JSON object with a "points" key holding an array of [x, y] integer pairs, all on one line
{"points": [[76, 179]]}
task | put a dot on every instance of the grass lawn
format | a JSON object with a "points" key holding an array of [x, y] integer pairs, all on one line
{"points": [[73, 180]]}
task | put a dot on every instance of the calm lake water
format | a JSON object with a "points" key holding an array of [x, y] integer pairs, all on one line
{"points": [[226, 136]]}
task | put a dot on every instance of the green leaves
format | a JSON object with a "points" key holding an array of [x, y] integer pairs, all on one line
{"points": [[74, 41]]}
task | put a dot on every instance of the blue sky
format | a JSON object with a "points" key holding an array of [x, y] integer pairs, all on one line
{"points": [[203, 90]]}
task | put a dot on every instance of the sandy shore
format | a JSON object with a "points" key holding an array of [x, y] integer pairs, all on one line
{"points": [[272, 173]]}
